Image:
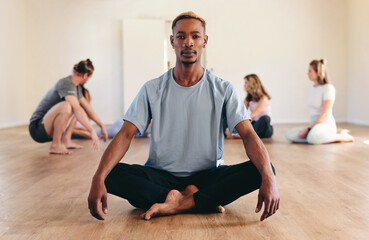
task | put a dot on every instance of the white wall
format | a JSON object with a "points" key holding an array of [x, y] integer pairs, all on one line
{"points": [[358, 62], [13, 80], [275, 39], [143, 54], [60, 34]]}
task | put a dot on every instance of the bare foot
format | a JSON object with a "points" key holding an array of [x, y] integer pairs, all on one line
{"points": [[191, 189], [175, 202], [220, 209], [345, 136], [230, 136], [59, 149], [72, 145]]}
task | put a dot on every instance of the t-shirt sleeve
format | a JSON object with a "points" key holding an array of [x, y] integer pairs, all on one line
{"points": [[329, 92], [139, 113], [235, 109], [65, 88]]}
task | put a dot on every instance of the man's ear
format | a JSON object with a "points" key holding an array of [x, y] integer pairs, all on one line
{"points": [[205, 40], [172, 41], [85, 75]]}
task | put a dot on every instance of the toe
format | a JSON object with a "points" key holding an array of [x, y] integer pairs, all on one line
{"points": [[221, 209]]}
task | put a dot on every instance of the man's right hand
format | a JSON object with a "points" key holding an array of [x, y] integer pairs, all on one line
{"points": [[112, 155], [95, 141], [98, 194]]}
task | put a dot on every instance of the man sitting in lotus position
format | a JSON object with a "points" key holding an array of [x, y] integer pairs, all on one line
{"points": [[189, 108]]}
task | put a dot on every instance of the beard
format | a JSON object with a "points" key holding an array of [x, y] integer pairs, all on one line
{"points": [[188, 63]]}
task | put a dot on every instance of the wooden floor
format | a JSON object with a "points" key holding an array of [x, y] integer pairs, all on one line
{"points": [[324, 194]]}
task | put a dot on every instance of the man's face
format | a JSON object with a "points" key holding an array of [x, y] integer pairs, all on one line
{"points": [[188, 40], [85, 78]]}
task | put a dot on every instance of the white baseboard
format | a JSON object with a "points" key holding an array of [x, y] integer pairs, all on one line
{"points": [[359, 122], [22, 123], [288, 121], [13, 124]]}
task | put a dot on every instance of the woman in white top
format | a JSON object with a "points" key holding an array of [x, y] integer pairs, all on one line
{"points": [[257, 102], [322, 128]]}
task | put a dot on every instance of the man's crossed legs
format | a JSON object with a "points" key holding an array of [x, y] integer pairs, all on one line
{"points": [[164, 194]]}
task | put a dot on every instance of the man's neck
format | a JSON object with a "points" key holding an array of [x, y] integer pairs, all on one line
{"points": [[187, 76], [75, 79]]}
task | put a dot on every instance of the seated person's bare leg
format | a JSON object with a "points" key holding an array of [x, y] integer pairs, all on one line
{"points": [[67, 137], [55, 122], [81, 132]]}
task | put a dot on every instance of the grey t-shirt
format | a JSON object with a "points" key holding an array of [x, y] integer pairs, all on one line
{"points": [[187, 122], [56, 94]]}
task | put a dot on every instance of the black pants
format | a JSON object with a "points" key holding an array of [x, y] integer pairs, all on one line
{"points": [[144, 186], [262, 127]]}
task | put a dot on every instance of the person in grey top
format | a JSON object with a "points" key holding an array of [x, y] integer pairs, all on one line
{"points": [[64, 104], [189, 108]]}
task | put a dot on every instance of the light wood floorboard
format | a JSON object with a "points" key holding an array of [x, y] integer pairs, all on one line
{"points": [[324, 194]]}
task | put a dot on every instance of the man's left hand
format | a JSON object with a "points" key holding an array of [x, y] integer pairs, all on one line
{"points": [[268, 193]]}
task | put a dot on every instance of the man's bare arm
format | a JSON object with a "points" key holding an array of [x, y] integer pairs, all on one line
{"points": [[81, 116], [79, 112], [92, 114], [256, 151], [112, 155]]}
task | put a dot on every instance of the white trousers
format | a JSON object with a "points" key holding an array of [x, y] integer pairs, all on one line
{"points": [[324, 132]]}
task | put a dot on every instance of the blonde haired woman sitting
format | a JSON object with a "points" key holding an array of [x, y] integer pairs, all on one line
{"points": [[322, 128], [257, 102]]}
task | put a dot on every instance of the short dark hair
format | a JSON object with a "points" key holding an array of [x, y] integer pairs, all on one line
{"points": [[84, 66], [187, 15]]}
